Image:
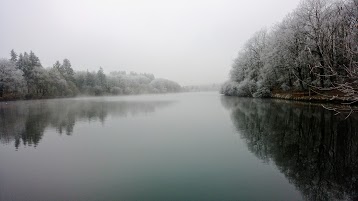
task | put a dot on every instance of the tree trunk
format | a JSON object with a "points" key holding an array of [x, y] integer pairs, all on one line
{"points": [[321, 70]]}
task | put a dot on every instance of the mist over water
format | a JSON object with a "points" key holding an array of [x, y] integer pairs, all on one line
{"points": [[188, 146], [137, 100], [25, 122]]}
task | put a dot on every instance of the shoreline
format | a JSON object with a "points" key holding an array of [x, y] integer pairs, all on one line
{"points": [[314, 98], [80, 96], [301, 97]]}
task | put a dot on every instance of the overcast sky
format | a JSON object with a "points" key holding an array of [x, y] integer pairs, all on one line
{"points": [[188, 41]]}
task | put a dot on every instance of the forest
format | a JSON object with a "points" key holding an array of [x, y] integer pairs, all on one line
{"points": [[23, 77], [313, 50]]}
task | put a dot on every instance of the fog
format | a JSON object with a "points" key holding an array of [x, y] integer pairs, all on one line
{"points": [[190, 42]]}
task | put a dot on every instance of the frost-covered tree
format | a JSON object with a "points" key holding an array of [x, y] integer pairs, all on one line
{"points": [[165, 86], [101, 78], [246, 70], [34, 74], [24, 76], [315, 48], [57, 66], [67, 70], [58, 83], [12, 83], [13, 56]]}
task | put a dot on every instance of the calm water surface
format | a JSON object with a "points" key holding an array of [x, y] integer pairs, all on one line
{"points": [[189, 146]]}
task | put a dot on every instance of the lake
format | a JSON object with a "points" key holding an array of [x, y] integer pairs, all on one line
{"points": [[185, 146]]}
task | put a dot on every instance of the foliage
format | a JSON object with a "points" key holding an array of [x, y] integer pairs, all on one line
{"points": [[24, 77], [315, 47], [12, 82]]}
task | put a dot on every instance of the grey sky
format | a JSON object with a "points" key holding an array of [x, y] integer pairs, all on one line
{"points": [[188, 41]]}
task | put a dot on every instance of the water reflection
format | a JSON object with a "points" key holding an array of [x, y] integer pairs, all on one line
{"points": [[316, 150], [24, 122]]}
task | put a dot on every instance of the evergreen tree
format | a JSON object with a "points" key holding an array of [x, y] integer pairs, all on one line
{"points": [[57, 65], [34, 60], [13, 56], [67, 71], [101, 77]]}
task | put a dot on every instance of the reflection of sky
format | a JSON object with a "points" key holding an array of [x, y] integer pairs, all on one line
{"points": [[186, 151]]}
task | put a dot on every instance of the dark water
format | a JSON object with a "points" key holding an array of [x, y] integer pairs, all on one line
{"points": [[190, 146]]}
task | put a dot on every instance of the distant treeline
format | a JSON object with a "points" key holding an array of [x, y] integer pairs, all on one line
{"points": [[197, 88], [314, 48], [22, 76]]}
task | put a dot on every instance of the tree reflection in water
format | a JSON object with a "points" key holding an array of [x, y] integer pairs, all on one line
{"points": [[24, 122], [316, 150]]}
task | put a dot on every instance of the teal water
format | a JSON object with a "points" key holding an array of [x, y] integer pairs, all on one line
{"points": [[188, 146]]}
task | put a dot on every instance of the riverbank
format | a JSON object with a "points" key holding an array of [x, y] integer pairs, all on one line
{"points": [[7, 99], [321, 97]]}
